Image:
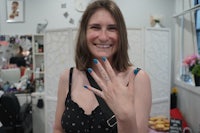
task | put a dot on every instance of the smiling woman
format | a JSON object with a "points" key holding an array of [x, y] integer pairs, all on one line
{"points": [[102, 53], [102, 35]]}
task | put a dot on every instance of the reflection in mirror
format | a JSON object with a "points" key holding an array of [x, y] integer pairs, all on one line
{"points": [[15, 59]]}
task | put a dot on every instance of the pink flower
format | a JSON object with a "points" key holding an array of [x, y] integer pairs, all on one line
{"points": [[191, 60]]}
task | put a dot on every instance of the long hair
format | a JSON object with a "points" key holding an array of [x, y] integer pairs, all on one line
{"points": [[83, 56]]}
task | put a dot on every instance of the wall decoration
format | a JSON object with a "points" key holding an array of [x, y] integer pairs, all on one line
{"points": [[64, 5], [66, 14], [71, 21], [80, 5], [41, 27], [155, 21], [15, 10]]}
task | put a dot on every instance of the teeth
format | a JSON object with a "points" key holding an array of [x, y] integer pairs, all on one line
{"points": [[103, 46]]}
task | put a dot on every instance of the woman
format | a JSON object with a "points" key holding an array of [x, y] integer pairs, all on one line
{"points": [[101, 50], [19, 58]]}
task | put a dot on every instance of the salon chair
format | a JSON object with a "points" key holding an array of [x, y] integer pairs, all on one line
{"points": [[15, 118]]}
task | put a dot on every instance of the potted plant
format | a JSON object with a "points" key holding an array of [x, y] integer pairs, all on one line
{"points": [[193, 63], [155, 21]]}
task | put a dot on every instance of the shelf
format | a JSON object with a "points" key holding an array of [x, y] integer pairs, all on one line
{"points": [[39, 35], [188, 86], [39, 53], [38, 57], [42, 72]]}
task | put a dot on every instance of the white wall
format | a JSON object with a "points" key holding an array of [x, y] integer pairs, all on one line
{"points": [[136, 13], [189, 103]]}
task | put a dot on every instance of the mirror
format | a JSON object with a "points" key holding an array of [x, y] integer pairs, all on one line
{"points": [[15, 57]]}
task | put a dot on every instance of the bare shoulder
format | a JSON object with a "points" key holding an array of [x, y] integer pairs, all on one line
{"points": [[142, 74], [63, 82], [142, 81], [139, 73], [140, 77], [65, 75]]}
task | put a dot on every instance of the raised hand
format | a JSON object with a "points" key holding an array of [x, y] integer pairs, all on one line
{"points": [[119, 97]]}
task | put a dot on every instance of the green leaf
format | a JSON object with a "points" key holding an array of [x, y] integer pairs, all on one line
{"points": [[196, 70]]}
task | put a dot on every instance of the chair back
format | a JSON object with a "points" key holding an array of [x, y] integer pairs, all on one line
{"points": [[9, 109]]}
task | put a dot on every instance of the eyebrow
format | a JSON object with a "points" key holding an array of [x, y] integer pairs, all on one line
{"points": [[93, 24], [109, 25], [112, 25]]}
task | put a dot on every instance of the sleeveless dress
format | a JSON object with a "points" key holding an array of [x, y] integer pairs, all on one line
{"points": [[74, 120]]}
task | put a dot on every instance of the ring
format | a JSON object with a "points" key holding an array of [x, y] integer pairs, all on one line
{"points": [[106, 78]]}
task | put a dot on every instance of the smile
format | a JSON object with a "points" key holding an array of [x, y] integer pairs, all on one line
{"points": [[103, 45]]}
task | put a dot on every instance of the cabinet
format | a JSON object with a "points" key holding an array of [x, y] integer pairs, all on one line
{"points": [[38, 112], [59, 52], [38, 61], [157, 63]]}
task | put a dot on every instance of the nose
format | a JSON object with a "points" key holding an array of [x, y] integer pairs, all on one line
{"points": [[103, 36]]}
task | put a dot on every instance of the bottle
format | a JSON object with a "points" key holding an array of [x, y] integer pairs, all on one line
{"points": [[42, 66], [173, 103], [36, 47], [37, 84], [41, 86]]}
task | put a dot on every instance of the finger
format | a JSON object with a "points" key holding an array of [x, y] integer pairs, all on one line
{"points": [[96, 78], [109, 68], [102, 71], [95, 91]]}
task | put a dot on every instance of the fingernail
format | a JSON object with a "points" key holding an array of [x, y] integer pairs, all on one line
{"points": [[95, 61], [104, 59], [85, 86], [89, 70]]}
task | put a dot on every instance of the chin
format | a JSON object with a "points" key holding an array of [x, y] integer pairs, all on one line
{"points": [[102, 55]]}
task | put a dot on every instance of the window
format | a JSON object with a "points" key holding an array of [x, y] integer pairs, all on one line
{"points": [[197, 24]]}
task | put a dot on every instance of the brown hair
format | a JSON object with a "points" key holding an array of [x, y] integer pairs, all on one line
{"points": [[15, 2], [83, 56]]}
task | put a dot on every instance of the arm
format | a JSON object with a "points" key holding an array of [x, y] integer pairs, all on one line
{"points": [[143, 100], [61, 97]]}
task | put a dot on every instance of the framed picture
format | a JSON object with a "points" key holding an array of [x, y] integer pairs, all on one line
{"points": [[15, 10]]}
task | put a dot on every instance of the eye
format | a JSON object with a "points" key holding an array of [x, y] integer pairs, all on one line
{"points": [[112, 28], [95, 27]]}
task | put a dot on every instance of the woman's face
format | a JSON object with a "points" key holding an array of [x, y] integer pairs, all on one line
{"points": [[102, 34]]}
